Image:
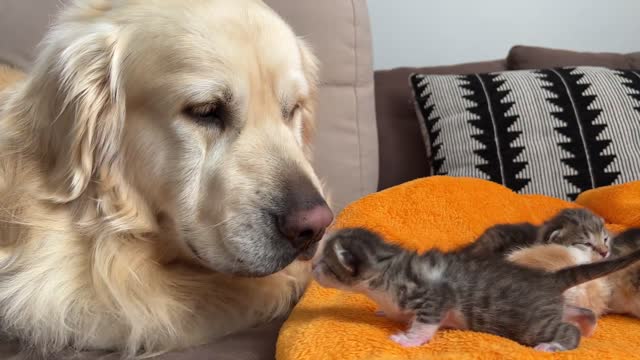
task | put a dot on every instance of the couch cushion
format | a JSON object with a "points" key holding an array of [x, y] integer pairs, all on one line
{"points": [[556, 132], [22, 24], [253, 344], [531, 57], [402, 151], [346, 143]]}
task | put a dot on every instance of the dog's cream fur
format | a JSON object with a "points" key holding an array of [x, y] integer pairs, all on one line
{"points": [[127, 224]]}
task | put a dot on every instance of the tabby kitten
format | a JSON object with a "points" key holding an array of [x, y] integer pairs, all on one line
{"points": [[579, 228], [436, 289]]}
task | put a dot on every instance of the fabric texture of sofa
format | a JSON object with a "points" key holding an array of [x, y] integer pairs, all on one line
{"points": [[533, 57], [346, 143]]}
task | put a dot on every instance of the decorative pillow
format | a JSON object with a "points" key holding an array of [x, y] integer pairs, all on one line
{"points": [[556, 132], [400, 144]]}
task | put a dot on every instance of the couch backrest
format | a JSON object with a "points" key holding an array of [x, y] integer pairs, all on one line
{"points": [[346, 144], [22, 24]]}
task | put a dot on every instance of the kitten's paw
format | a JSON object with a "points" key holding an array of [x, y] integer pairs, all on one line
{"points": [[408, 341], [550, 347]]}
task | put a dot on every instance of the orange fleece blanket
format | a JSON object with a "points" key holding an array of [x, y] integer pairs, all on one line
{"points": [[446, 212]]}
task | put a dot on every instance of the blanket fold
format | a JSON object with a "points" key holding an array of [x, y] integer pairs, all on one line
{"points": [[618, 204], [446, 212]]}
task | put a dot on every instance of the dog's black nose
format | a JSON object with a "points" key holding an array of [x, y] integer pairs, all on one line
{"points": [[303, 227], [303, 214]]}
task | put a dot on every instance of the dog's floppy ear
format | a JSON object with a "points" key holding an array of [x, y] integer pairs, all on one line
{"points": [[79, 127]]}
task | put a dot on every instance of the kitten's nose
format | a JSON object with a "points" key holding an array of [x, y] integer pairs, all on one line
{"points": [[305, 226], [604, 252]]}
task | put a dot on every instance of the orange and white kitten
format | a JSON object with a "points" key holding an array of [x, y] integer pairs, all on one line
{"points": [[617, 293], [625, 285], [593, 295]]}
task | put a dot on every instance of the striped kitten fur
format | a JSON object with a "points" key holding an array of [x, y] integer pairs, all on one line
{"points": [[454, 290], [580, 228]]}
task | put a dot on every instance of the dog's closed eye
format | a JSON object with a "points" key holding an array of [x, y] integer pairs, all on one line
{"points": [[294, 111], [210, 114]]}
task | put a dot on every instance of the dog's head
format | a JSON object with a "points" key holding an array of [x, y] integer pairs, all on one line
{"points": [[200, 110]]}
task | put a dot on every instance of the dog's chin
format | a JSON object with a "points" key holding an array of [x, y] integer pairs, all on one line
{"points": [[280, 258], [259, 270], [309, 253]]}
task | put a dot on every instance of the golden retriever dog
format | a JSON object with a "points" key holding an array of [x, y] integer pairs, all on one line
{"points": [[155, 180]]}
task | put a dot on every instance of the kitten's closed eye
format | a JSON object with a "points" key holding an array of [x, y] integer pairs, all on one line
{"points": [[585, 244]]}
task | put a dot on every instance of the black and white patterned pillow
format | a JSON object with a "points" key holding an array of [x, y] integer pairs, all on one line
{"points": [[556, 132]]}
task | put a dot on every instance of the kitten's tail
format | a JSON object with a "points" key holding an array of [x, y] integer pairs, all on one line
{"points": [[569, 277]]}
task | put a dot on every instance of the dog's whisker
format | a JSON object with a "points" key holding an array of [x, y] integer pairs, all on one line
{"points": [[217, 225]]}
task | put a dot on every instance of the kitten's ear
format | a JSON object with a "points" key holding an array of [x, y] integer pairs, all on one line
{"points": [[554, 236], [347, 259]]}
